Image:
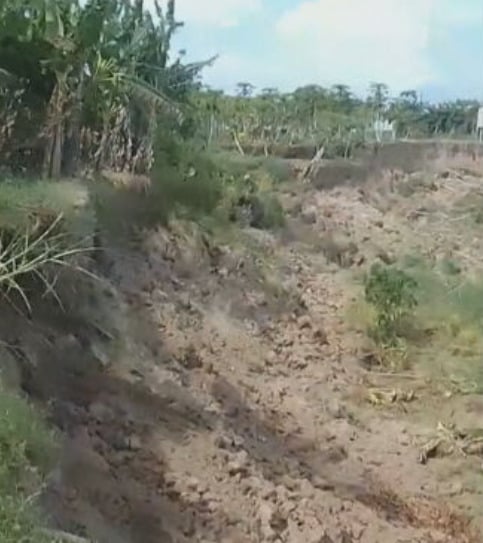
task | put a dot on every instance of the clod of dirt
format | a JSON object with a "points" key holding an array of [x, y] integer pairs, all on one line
{"points": [[336, 409], [271, 522], [225, 442], [304, 322], [320, 336], [271, 358], [239, 464], [191, 359], [309, 215], [298, 362], [338, 250]]}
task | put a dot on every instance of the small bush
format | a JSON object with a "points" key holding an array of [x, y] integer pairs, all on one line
{"points": [[190, 182], [266, 212], [392, 293], [184, 181], [252, 200], [184, 178]]}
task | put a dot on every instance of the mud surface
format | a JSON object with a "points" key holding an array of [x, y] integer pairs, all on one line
{"points": [[229, 416]]}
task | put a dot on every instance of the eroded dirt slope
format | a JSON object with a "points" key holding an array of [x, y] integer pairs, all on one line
{"points": [[228, 413]]}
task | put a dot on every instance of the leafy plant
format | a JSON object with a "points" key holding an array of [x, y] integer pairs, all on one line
{"points": [[31, 254], [391, 292], [87, 81]]}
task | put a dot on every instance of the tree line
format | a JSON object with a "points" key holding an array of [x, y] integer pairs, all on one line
{"points": [[91, 82], [334, 117]]}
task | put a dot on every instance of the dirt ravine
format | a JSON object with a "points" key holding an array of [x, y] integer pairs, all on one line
{"points": [[226, 418]]}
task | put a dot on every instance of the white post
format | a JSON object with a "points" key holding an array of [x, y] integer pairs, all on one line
{"points": [[479, 124]]}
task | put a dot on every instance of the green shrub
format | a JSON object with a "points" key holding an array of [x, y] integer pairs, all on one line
{"points": [[391, 292], [25, 441], [266, 211], [20, 523], [184, 181], [190, 182], [184, 178], [252, 200]]}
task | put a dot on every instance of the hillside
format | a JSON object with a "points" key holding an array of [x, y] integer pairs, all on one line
{"points": [[223, 386]]}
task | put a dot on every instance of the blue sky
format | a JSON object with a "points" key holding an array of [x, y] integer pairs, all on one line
{"points": [[435, 46]]}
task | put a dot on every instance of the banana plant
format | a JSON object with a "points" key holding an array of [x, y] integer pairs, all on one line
{"points": [[94, 67]]}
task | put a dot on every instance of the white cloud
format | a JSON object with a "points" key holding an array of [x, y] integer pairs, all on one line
{"points": [[216, 13], [358, 41], [327, 41]]}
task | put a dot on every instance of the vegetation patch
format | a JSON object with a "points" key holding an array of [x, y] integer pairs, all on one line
{"points": [[42, 227], [391, 291], [426, 315], [188, 182], [27, 453]]}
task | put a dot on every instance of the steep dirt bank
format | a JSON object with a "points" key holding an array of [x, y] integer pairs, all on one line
{"points": [[414, 154], [209, 393], [406, 157]]}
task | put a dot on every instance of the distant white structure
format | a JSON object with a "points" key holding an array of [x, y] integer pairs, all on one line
{"points": [[383, 129], [479, 124]]}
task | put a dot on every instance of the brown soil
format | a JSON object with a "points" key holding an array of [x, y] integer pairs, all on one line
{"points": [[224, 412]]}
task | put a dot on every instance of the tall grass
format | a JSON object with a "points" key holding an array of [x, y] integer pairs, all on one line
{"points": [[451, 311], [27, 453], [43, 226]]}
